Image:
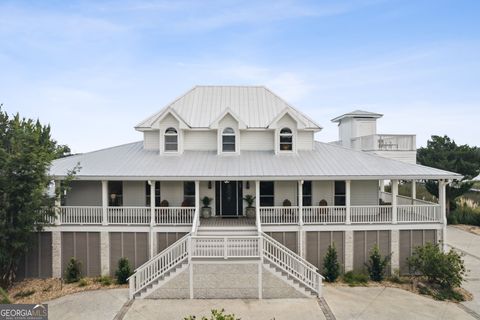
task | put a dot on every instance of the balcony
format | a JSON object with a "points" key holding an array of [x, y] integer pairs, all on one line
{"points": [[385, 142]]}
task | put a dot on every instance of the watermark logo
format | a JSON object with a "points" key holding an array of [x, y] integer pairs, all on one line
{"points": [[23, 312]]}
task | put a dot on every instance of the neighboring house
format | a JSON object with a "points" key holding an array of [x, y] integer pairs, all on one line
{"points": [[142, 200]]}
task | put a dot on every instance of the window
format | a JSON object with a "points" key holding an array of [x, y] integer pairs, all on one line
{"points": [[307, 193], [171, 139], [266, 193], [228, 140], [157, 193], [286, 139], [340, 193], [188, 194], [115, 193]]}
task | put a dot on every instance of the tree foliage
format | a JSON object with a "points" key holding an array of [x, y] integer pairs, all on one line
{"points": [[377, 265], [124, 271], [443, 153], [26, 152], [331, 267]]}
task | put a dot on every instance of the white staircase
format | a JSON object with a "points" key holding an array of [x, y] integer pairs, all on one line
{"points": [[228, 245]]}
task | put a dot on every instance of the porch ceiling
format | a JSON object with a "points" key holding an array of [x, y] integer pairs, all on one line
{"points": [[325, 162]]}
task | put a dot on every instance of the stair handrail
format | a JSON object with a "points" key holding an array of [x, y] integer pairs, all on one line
{"points": [[302, 270], [159, 265], [195, 222]]}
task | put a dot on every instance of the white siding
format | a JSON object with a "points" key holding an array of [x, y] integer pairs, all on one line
{"points": [[200, 140], [364, 193], [345, 132], [151, 140], [84, 193], [204, 191], [405, 156], [246, 191], [305, 140], [364, 127], [134, 193], [172, 191], [285, 190], [228, 121], [322, 190], [257, 140], [167, 122]]}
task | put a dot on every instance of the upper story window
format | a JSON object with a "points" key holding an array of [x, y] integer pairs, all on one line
{"points": [[286, 139], [171, 139], [228, 140]]}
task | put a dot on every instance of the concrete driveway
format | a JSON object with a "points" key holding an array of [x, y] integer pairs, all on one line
{"points": [[388, 303], [268, 309], [91, 305], [469, 244]]}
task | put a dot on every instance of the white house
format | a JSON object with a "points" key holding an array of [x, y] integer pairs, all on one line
{"points": [[142, 200]]}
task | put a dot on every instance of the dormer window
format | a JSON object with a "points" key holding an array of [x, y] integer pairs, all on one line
{"points": [[228, 140], [286, 139], [171, 140]]}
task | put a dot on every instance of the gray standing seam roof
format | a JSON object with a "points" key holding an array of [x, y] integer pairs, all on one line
{"points": [[325, 162]]}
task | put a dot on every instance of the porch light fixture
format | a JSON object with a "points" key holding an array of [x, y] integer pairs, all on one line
{"points": [[226, 181], [209, 184]]}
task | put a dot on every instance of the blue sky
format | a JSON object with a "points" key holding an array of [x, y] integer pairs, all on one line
{"points": [[94, 69]]}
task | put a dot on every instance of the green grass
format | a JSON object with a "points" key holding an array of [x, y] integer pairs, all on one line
{"points": [[354, 279]]}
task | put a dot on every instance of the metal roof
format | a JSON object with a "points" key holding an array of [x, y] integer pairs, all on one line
{"points": [[325, 162], [256, 106], [357, 113]]}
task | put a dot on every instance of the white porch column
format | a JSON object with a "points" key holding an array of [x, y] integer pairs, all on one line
{"points": [[300, 202], [104, 202], [257, 205], [197, 199], [152, 203], [394, 200], [414, 191], [382, 185], [58, 202], [56, 254], [442, 198], [347, 201]]}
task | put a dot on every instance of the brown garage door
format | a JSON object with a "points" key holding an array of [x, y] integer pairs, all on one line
{"points": [[85, 247], [409, 240], [165, 239], [131, 245], [37, 262], [317, 245], [363, 242], [288, 239]]}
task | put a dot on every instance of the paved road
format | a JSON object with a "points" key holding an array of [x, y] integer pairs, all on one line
{"points": [[362, 303], [469, 244], [91, 305]]}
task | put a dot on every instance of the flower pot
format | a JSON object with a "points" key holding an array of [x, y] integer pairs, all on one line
{"points": [[250, 212], [206, 212]]}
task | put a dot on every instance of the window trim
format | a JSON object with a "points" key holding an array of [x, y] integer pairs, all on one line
{"points": [[285, 135], [267, 196], [168, 134], [228, 134]]}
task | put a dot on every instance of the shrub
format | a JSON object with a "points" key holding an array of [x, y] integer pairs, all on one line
{"points": [[355, 279], [106, 280], [464, 215], [396, 278], [331, 267], [72, 273], [376, 265], [82, 283], [23, 294], [124, 271], [4, 299], [444, 269], [216, 315]]}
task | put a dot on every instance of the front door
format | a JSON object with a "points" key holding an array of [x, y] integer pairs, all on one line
{"points": [[229, 198]]}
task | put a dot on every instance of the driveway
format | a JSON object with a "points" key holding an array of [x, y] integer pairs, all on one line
{"points": [[91, 305], [388, 303], [469, 244]]}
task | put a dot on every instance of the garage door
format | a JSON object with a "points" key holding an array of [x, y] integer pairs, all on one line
{"points": [[317, 245], [85, 247], [363, 243], [165, 239], [131, 245], [37, 262], [409, 240], [288, 239]]}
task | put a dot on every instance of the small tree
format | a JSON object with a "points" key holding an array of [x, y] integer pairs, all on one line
{"points": [[376, 265], [124, 271], [331, 267], [444, 269], [250, 200], [73, 273]]}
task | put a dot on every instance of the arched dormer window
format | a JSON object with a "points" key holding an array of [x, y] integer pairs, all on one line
{"points": [[286, 139], [228, 140], [171, 140]]}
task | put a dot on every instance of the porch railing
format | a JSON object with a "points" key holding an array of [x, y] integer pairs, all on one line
{"points": [[371, 214], [225, 247], [324, 215], [80, 215], [128, 215], [279, 215], [418, 213], [174, 215]]}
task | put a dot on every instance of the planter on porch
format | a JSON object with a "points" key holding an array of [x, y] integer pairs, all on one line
{"points": [[250, 212], [206, 210]]}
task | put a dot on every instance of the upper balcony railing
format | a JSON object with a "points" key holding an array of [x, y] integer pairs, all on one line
{"points": [[385, 142]]}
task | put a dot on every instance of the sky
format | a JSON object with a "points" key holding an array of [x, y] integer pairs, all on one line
{"points": [[94, 69]]}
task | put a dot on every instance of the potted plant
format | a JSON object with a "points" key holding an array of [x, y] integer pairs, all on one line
{"points": [[206, 210], [249, 199]]}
